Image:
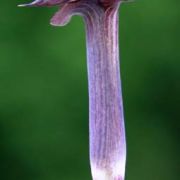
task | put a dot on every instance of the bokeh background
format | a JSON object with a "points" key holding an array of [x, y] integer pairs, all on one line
{"points": [[44, 95]]}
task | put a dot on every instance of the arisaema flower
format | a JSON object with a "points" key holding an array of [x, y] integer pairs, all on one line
{"points": [[106, 119]]}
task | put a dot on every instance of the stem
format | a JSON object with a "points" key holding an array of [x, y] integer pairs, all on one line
{"points": [[107, 132]]}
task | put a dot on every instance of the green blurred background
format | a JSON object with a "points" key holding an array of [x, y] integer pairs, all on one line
{"points": [[44, 95]]}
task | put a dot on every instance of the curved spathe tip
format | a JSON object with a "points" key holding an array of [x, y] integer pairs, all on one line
{"points": [[37, 3], [34, 3], [72, 7]]}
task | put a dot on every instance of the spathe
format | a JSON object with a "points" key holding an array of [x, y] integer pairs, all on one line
{"points": [[37, 3]]}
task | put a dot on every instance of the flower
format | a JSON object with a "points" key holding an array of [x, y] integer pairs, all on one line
{"points": [[106, 117], [104, 3], [71, 7]]}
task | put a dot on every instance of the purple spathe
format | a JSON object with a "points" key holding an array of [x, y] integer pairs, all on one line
{"points": [[107, 132], [106, 118]]}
